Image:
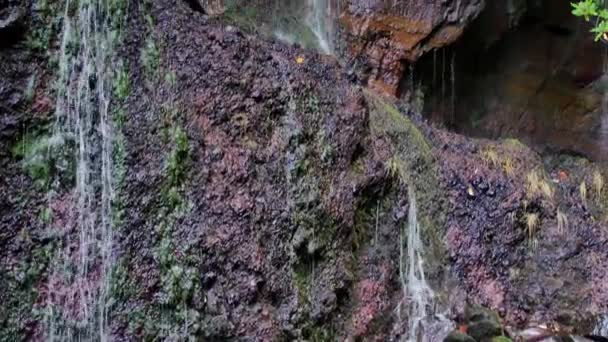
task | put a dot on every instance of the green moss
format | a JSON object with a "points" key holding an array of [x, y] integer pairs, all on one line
{"points": [[45, 26], [318, 333], [34, 152], [122, 287], [501, 339], [413, 163], [515, 143], [19, 289], [121, 84], [45, 215], [150, 57], [177, 162], [245, 17]]}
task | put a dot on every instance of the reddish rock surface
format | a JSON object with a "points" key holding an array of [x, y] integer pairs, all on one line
{"points": [[390, 36]]}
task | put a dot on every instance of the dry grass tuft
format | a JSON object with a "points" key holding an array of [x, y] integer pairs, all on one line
{"points": [[538, 186], [490, 156], [598, 185], [532, 222], [562, 222], [582, 190], [508, 166]]}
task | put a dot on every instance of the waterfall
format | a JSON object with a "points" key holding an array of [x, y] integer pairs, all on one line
{"points": [[319, 19], [423, 324], [79, 280]]}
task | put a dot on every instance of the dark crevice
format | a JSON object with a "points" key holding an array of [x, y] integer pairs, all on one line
{"points": [[195, 5], [559, 30]]}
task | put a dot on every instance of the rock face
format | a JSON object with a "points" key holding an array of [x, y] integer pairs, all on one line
{"points": [[279, 211], [388, 36]]}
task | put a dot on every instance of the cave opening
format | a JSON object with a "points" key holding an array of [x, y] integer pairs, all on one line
{"points": [[535, 74]]}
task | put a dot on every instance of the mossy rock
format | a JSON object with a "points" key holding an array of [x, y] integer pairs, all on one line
{"points": [[413, 163], [457, 336], [501, 339], [483, 324]]}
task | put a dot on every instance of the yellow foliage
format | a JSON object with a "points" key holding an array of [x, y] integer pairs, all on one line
{"points": [[582, 189], [508, 166], [562, 222], [538, 186], [532, 222], [598, 185], [490, 156]]}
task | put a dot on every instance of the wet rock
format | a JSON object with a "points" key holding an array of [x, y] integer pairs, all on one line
{"points": [[11, 18], [483, 324], [484, 330], [457, 336], [389, 36], [500, 339]]}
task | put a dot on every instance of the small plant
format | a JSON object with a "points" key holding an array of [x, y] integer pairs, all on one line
{"points": [[508, 166], [538, 186], [532, 223], [150, 57], [490, 156], [171, 79], [35, 157], [178, 157], [45, 215], [394, 169], [582, 190], [593, 10], [121, 84], [598, 185], [562, 222]]}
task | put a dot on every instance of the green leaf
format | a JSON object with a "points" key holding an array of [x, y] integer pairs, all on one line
{"points": [[585, 9], [600, 30]]}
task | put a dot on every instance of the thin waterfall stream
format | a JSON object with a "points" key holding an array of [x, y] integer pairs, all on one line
{"points": [[79, 283], [419, 298], [318, 20]]}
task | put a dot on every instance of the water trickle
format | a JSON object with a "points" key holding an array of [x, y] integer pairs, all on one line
{"points": [[601, 327], [453, 79], [79, 281], [604, 114], [434, 69], [423, 323], [319, 19], [443, 76]]}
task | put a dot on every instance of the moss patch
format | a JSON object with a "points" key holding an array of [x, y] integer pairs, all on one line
{"points": [[413, 163]]}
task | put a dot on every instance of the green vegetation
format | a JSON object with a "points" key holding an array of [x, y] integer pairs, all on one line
{"points": [[596, 11], [46, 25], [121, 83], [34, 152], [19, 287], [150, 57], [42, 155], [413, 163], [122, 90]]}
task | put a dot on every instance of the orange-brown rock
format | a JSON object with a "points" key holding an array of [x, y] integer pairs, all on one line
{"points": [[391, 35]]}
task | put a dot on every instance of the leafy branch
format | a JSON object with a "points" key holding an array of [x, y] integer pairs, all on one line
{"points": [[593, 10]]}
